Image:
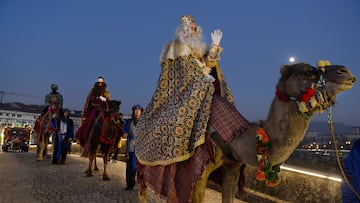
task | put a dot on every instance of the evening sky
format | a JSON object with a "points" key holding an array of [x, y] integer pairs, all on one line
{"points": [[72, 42]]}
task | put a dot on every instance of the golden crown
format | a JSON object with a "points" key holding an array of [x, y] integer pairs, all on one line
{"points": [[186, 19]]}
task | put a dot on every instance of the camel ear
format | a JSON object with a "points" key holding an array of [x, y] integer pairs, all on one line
{"points": [[117, 102], [283, 69]]}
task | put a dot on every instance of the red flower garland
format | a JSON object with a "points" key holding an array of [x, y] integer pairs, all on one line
{"points": [[265, 169]]}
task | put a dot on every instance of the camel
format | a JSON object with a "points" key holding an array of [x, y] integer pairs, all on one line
{"points": [[105, 132], [301, 91], [43, 132]]}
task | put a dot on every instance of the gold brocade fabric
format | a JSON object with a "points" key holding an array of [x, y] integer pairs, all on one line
{"points": [[175, 121]]}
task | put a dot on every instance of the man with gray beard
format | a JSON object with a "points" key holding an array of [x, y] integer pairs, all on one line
{"points": [[188, 41], [175, 121]]}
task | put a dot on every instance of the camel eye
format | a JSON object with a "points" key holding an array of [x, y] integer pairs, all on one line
{"points": [[309, 75]]}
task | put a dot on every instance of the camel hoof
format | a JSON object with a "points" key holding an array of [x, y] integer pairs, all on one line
{"points": [[89, 175], [96, 169], [106, 178]]}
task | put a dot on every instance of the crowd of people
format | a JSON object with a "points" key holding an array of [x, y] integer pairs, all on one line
{"points": [[63, 132]]}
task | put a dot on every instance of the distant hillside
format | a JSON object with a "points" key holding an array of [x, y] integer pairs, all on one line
{"points": [[320, 126], [323, 127], [16, 106]]}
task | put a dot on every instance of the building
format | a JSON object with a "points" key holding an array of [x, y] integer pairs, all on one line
{"points": [[21, 115]]}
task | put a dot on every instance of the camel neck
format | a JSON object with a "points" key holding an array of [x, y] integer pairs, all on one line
{"points": [[285, 116], [285, 124]]}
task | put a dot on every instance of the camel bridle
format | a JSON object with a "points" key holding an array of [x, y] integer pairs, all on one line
{"points": [[321, 96]]}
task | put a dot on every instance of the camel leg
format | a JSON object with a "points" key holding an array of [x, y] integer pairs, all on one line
{"points": [[89, 169], [95, 165], [37, 152], [105, 159], [40, 150], [45, 149], [45, 152], [200, 185], [231, 173], [142, 196]]}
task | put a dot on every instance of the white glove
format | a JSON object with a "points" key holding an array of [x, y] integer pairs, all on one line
{"points": [[216, 37], [102, 98]]}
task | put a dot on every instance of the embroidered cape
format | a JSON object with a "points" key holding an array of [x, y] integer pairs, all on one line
{"points": [[175, 121]]}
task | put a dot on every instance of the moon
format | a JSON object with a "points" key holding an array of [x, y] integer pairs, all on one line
{"points": [[291, 59]]}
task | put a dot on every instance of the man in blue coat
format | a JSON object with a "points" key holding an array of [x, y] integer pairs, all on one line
{"points": [[130, 134], [351, 168]]}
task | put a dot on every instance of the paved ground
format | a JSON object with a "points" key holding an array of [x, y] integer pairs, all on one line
{"points": [[23, 179]]}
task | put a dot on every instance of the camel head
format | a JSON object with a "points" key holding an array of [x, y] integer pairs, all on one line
{"points": [[111, 106], [337, 79], [313, 89], [114, 106]]}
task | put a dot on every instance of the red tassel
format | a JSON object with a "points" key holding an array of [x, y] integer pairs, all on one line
{"points": [[260, 175]]}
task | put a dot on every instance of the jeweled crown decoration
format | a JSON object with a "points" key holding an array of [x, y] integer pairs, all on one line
{"points": [[321, 64], [186, 19]]}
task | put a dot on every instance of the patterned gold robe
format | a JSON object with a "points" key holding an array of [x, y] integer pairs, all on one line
{"points": [[175, 121]]}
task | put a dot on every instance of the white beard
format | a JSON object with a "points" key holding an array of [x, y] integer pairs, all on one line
{"points": [[191, 39], [186, 42]]}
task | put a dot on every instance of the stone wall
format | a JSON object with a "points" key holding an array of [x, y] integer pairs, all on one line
{"points": [[294, 187]]}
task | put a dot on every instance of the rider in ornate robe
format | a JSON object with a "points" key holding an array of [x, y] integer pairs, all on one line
{"points": [[53, 106], [96, 96], [175, 121], [53, 100]]}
